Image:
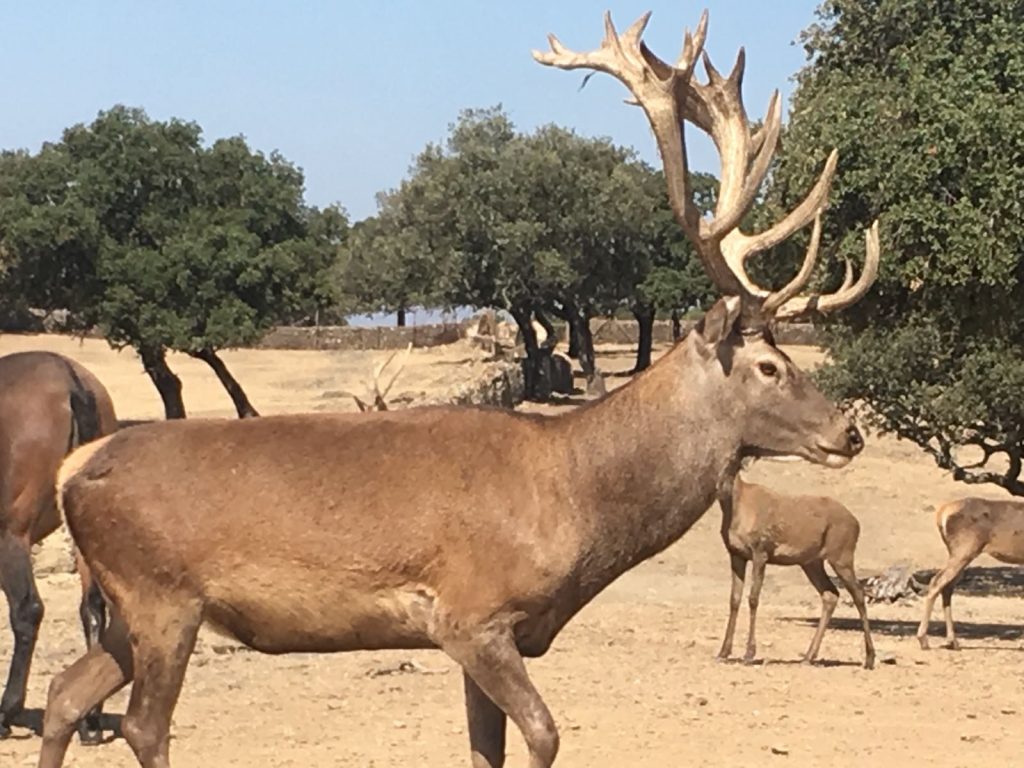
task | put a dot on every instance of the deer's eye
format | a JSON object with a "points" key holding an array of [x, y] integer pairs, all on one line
{"points": [[768, 369]]}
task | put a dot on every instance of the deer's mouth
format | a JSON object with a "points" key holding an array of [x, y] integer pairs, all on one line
{"points": [[828, 456]]}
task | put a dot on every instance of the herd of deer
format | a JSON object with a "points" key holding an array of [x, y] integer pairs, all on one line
{"points": [[479, 532]]}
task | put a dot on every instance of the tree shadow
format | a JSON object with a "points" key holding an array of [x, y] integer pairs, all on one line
{"points": [[996, 581]]}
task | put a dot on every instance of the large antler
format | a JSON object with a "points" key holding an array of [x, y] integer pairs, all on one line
{"points": [[670, 95]]}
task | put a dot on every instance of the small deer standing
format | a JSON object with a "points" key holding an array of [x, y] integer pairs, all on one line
{"points": [[970, 527], [762, 527]]}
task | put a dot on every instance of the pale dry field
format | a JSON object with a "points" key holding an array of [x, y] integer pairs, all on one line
{"points": [[631, 681]]}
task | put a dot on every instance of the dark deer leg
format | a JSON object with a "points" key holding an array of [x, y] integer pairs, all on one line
{"points": [[26, 611], [739, 574], [93, 613], [486, 727]]}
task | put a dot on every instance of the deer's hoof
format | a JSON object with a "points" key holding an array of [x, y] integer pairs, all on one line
{"points": [[869, 663], [89, 737], [953, 645], [923, 640]]}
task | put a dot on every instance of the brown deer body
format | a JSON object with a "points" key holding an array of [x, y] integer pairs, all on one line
{"points": [[476, 531], [767, 528], [971, 527], [48, 405]]}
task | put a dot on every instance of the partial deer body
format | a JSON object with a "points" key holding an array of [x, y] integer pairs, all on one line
{"points": [[767, 528], [971, 527], [480, 532], [48, 406]]}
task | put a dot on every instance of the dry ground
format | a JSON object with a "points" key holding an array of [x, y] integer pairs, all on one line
{"points": [[631, 681]]}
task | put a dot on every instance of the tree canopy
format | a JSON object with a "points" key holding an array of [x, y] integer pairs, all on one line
{"points": [[134, 226], [923, 101], [547, 222]]}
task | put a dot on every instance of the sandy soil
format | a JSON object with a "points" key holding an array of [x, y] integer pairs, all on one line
{"points": [[631, 681]]}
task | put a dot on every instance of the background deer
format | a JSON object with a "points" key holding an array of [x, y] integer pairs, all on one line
{"points": [[48, 406], [479, 532], [376, 400], [764, 527], [970, 527]]}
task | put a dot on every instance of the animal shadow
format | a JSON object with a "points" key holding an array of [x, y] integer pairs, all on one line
{"points": [[33, 720], [965, 630]]}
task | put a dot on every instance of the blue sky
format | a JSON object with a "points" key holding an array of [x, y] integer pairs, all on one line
{"points": [[351, 91]]}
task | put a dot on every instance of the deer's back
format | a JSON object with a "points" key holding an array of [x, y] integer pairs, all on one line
{"points": [[996, 526], [789, 529]]}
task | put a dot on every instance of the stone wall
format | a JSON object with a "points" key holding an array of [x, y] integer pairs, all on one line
{"points": [[499, 384], [348, 337]]}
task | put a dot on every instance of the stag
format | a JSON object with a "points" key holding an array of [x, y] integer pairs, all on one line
{"points": [[476, 531], [970, 527], [763, 527], [48, 406]]}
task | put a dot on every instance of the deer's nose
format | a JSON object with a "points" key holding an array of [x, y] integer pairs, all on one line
{"points": [[854, 437]]}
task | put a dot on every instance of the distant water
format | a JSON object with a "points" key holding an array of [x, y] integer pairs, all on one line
{"points": [[417, 316]]}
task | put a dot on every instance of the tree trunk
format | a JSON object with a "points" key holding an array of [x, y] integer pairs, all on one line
{"points": [[535, 384], [677, 325], [166, 382], [234, 389], [574, 338], [579, 322], [400, 317], [644, 314]]}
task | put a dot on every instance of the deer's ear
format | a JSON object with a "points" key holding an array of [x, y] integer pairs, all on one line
{"points": [[717, 323]]}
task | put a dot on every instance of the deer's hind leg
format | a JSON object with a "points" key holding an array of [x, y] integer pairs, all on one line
{"points": [[101, 672], [816, 574], [498, 682], [163, 636], [944, 582], [846, 573]]}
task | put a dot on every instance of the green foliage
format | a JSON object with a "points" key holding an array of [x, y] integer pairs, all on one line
{"points": [[518, 221], [923, 101], [134, 225]]}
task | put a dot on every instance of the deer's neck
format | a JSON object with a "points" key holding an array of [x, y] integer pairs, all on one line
{"points": [[648, 462]]}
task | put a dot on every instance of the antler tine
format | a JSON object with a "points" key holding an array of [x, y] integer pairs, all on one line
{"points": [[799, 217], [793, 287], [848, 293], [668, 95], [401, 367], [693, 45], [762, 146], [379, 370], [671, 95]]}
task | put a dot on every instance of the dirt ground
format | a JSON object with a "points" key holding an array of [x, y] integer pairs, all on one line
{"points": [[632, 680]]}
